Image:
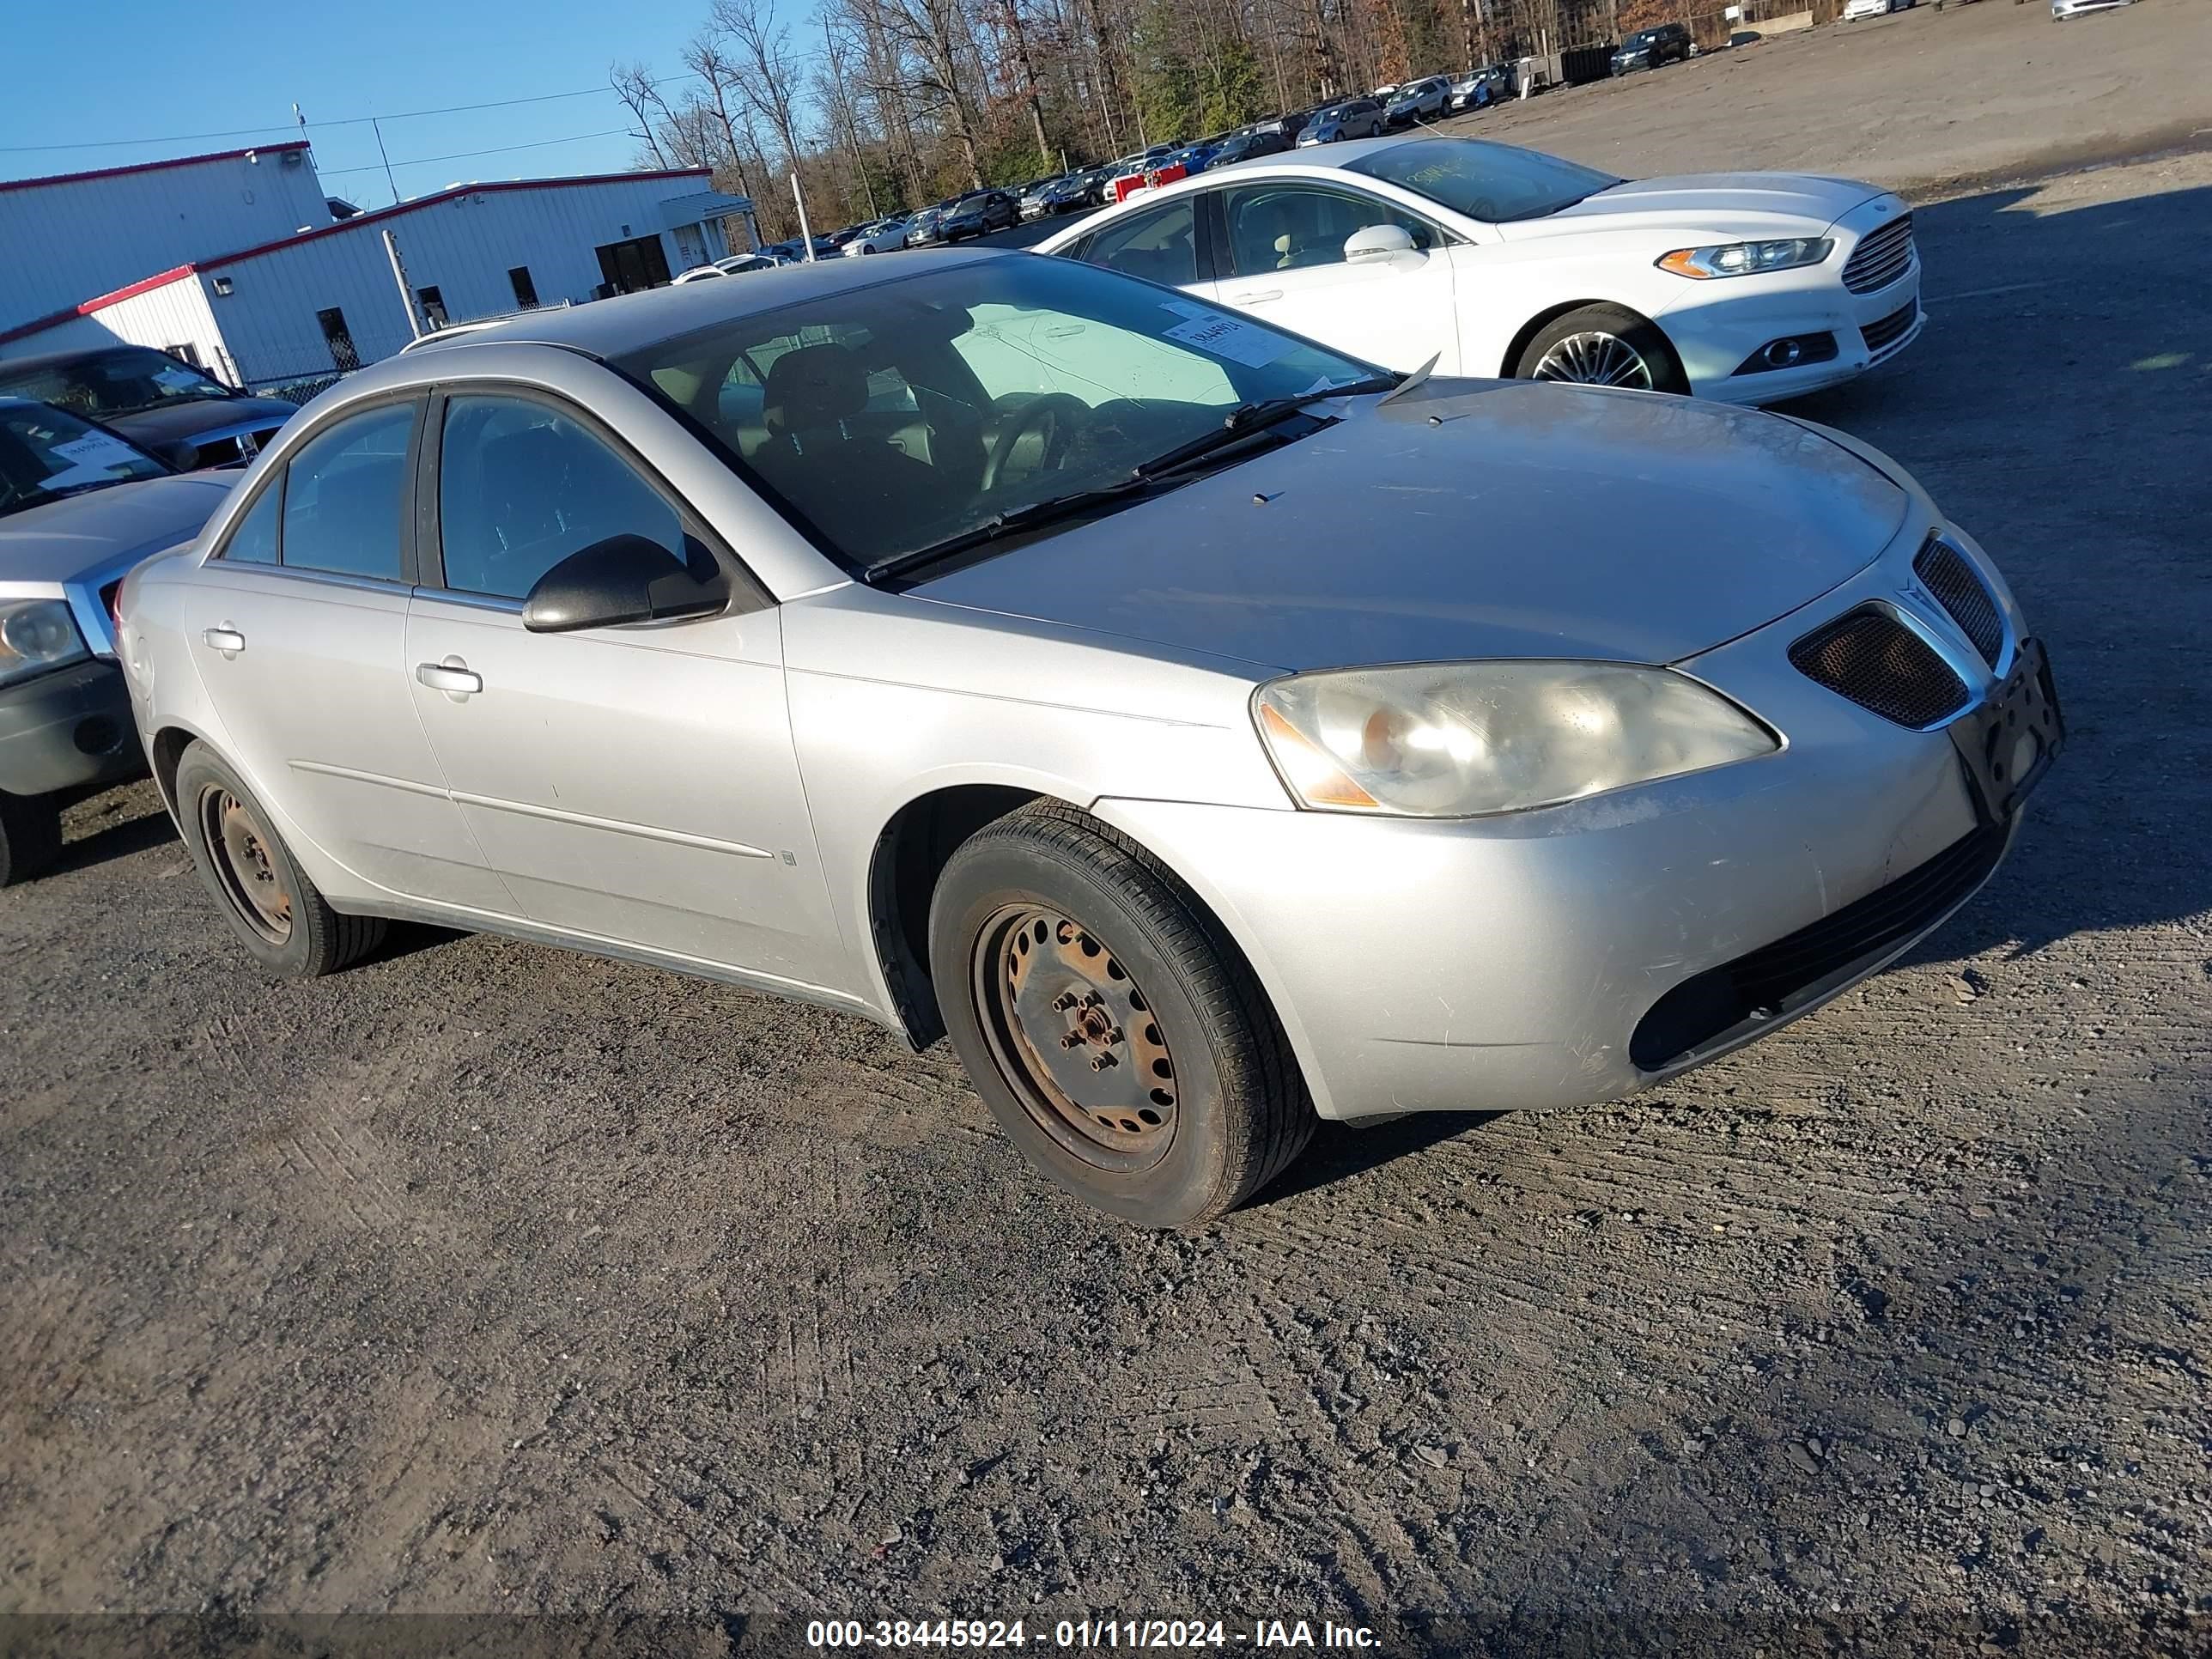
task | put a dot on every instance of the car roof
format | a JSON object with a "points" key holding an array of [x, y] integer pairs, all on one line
{"points": [[615, 327]]}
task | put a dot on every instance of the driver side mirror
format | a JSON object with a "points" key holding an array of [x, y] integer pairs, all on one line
{"points": [[1374, 242], [181, 454], [623, 579]]}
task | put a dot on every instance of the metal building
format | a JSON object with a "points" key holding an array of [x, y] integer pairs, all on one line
{"points": [[305, 304], [80, 233]]}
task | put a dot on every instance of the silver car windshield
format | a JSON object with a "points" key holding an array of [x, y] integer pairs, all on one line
{"points": [[45, 455], [1494, 183], [892, 418]]}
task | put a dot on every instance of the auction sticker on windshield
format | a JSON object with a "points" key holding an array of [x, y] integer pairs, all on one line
{"points": [[94, 456], [1225, 336]]}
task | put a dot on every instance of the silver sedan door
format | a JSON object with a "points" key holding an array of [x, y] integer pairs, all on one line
{"points": [[298, 629], [634, 785]]}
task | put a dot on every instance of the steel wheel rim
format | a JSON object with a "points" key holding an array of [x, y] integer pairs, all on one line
{"points": [[238, 847], [1594, 358], [1076, 1038]]}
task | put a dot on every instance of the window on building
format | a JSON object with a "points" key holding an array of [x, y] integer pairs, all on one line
{"points": [[434, 306], [343, 354], [187, 353], [640, 262], [526, 291], [344, 494]]}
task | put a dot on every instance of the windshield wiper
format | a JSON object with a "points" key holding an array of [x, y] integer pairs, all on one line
{"points": [[1241, 425], [1244, 420], [1052, 510]]}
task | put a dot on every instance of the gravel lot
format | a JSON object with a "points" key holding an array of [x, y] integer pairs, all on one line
{"points": [[490, 1280]]}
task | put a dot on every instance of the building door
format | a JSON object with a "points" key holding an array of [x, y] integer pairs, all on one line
{"points": [[629, 267]]}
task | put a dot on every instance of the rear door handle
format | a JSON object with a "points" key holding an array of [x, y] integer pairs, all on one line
{"points": [[1257, 297], [451, 677], [229, 641]]}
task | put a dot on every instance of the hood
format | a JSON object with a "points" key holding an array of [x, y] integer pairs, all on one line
{"points": [[1733, 205], [200, 419], [80, 535], [1528, 521]]}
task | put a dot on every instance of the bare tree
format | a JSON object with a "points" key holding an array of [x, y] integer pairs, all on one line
{"points": [[633, 84], [771, 79]]}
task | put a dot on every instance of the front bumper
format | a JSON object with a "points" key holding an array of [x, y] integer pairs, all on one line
{"points": [[1715, 326], [1511, 962], [69, 729]]}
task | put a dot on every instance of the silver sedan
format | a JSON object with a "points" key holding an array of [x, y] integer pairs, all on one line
{"points": [[1209, 732]]}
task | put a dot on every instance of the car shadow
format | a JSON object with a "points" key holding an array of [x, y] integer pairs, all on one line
{"points": [[120, 838], [2064, 421], [1341, 1151]]}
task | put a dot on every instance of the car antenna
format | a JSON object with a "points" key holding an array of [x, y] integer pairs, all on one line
{"points": [[1412, 380]]}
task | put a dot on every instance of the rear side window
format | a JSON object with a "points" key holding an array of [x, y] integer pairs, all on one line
{"points": [[1160, 246], [345, 494], [254, 540], [521, 486]]}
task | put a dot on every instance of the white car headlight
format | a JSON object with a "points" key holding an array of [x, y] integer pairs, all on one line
{"points": [[36, 634], [1447, 740], [1744, 258]]}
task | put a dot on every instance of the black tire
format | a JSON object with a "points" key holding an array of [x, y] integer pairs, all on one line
{"points": [[30, 836], [1233, 1110], [1640, 334], [220, 815]]}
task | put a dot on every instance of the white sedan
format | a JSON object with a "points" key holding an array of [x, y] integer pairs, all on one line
{"points": [[1494, 260], [884, 236]]}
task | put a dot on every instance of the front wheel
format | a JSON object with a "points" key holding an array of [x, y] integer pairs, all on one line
{"points": [[1115, 1033], [30, 835], [1603, 345]]}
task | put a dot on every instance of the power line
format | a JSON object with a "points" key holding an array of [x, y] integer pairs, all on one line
{"points": [[344, 121], [465, 154]]}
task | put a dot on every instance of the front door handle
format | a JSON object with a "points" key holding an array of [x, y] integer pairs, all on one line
{"points": [[229, 641], [1257, 297], [452, 676]]}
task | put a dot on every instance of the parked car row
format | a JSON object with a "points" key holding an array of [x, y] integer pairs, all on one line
{"points": [[969, 643]]}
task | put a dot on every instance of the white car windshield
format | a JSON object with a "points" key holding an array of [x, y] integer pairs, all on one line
{"points": [[46, 454], [891, 418], [1492, 182]]}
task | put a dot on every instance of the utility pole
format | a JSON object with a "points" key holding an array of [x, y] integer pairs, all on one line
{"points": [[805, 232]]}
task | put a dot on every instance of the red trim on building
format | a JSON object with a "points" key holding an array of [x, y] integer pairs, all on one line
{"points": [[377, 215], [374, 217], [153, 166], [144, 284]]}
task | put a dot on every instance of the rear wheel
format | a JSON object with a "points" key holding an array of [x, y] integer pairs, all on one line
{"points": [[1603, 345], [30, 835], [1114, 1032], [278, 915]]}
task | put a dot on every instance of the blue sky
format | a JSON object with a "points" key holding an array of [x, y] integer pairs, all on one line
{"points": [[86, 74]]}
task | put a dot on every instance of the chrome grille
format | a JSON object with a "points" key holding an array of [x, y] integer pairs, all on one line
{"points": [[1881, 257], [1958, 587], [1870, 657], [1885, 331]]}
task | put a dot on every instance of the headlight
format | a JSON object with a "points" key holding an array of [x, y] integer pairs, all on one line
{"points": [[1743, 259], [1447, 740], [36, 634]]}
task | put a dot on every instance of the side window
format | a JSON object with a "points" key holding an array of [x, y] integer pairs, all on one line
{"points": [[254, 540], [1295, 227], [1160, 246], [345, 494], [521, 486]]}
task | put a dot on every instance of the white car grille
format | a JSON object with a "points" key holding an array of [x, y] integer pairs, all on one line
{"points": [[1881, 257]]}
